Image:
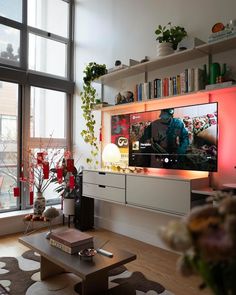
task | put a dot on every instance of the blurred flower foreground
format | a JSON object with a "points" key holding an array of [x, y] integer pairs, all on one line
{"points": [[207, 240]]}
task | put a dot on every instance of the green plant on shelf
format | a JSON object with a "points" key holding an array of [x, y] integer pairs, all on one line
{"points": [[171, 34], [88, 96]]}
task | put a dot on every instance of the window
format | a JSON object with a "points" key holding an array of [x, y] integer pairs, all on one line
{"points": [[8, 144], [47, 55], [11, 9], [36, 87], [50, 16], [46, 125], [9, 45]]}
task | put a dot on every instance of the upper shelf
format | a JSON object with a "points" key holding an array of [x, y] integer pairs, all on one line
{"points": [[175, 58]]}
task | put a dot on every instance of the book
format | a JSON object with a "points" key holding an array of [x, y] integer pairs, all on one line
{"points": [[68, 249], [71, 237]]}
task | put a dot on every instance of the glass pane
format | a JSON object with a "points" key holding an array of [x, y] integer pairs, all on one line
{"points": [[47, 56], [8, 144], [9, 45], [50, 16], [47, 113], [11, 9]]}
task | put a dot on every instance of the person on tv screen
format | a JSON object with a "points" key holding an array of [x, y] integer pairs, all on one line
{"points": [[167, 135]]}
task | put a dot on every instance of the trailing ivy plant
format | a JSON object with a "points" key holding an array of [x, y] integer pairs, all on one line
{"points": [[88, 96]]}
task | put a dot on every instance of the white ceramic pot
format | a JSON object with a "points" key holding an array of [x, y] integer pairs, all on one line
{"points": [[164, 48], [69, 207]]}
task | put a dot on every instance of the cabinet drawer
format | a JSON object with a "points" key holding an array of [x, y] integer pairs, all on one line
{"points": [[160, 194], [104, 192], [104, 178]]}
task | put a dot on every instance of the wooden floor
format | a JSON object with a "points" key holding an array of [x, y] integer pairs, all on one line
{"points": [[155, 263]]}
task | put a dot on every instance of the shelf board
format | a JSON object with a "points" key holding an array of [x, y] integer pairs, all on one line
{"points": [[218, 46], [172, 59], [155, 100]]}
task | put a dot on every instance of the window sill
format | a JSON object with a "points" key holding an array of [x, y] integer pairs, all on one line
{"points": [[19, 213]]}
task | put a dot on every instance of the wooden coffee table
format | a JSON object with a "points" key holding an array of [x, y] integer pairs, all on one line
{"points": [[94, 272]]}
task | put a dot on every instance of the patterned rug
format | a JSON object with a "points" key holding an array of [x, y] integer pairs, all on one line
{"points": [[20, 276]]}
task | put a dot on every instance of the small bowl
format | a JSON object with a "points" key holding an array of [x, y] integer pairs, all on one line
{"points": [[87, 253]]}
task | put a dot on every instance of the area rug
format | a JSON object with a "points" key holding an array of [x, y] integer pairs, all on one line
{"points": [[20, 276]]}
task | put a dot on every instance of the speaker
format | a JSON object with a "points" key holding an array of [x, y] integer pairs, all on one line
{"points": [[84, 209]]}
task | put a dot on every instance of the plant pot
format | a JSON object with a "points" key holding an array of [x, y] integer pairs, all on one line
{"points": [[39, 204], [164, 48], [69, 207]]}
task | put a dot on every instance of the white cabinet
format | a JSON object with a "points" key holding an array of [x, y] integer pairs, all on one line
{"points": [[161, 193], [104, 186], [168, 195]]}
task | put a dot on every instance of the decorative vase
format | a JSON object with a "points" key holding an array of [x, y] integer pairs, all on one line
{"points": [[39, 204], [164, 48], [69, 206]]}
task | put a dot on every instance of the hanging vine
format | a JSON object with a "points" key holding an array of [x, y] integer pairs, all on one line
{"points": [[88, 96]]}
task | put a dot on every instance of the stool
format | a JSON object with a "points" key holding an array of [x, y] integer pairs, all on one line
{"points": [[68, 219]]}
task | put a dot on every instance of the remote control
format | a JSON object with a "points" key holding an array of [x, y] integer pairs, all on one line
{"points": [[105, 253]]}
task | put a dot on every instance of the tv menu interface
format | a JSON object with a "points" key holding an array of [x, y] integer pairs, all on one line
{"points": [[175, 138]]}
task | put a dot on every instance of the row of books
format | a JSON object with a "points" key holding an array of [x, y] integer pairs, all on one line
{"points": [[71, 241], [190, 80]]}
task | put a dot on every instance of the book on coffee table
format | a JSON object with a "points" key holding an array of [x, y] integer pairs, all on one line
{"points": [[71, 240]]}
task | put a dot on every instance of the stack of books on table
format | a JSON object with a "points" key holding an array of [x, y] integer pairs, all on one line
{"points": [[71, 240]]}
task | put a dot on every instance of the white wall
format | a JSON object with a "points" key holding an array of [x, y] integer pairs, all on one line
{"points": [[107, 30]]}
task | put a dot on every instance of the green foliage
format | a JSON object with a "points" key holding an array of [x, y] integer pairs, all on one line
{"points": [[169, 33], [88, 96]]}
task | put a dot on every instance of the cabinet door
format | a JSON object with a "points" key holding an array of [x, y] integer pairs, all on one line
{"points": [[103, 192], [160, 194], [104, 178]]}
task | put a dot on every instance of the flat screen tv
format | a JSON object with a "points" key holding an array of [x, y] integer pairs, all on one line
{"points": [[175, 138]]}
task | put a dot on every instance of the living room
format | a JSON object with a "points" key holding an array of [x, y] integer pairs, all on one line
{"points": [[106, 31]]}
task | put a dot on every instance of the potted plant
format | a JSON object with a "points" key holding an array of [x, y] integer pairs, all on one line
{"points": [[169, 37], [88, 96]]}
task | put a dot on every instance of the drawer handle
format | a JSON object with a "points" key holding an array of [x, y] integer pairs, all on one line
{"points": [[103, 186], [102, 173]]}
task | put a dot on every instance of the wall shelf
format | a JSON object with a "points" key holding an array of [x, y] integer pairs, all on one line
{"points": [[149, 103], [175, 58]]}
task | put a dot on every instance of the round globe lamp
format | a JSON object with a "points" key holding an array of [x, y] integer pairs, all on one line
{"points": [[111, 155]]}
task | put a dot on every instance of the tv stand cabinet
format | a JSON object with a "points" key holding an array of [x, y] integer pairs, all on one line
{"points": [[165, 193]]}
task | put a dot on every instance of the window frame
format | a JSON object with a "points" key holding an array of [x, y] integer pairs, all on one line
{"points": [[26, 78]]}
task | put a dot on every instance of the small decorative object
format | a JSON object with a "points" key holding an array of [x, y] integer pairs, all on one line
{"points": [[169, 37], [50, 214], [39, 204], [88, 95], [87, 253], [207, 239], [127, 97]]}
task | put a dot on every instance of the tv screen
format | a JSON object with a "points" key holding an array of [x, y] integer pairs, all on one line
{"points": [[175, 138]]}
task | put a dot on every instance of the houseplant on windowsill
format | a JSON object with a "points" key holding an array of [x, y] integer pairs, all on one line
{"points": [[169, 37], [66, 176], [88, 96]]}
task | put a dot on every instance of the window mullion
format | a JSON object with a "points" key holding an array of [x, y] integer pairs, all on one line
{"points": [[48, 35]]}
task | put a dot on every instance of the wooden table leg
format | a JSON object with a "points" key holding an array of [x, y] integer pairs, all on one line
{"points": [[49, 268], [95, 284]]}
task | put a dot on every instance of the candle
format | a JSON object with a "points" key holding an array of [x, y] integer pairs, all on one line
{"points": [[70, 165], [45, 170], [16, 191], [72, 182]]}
